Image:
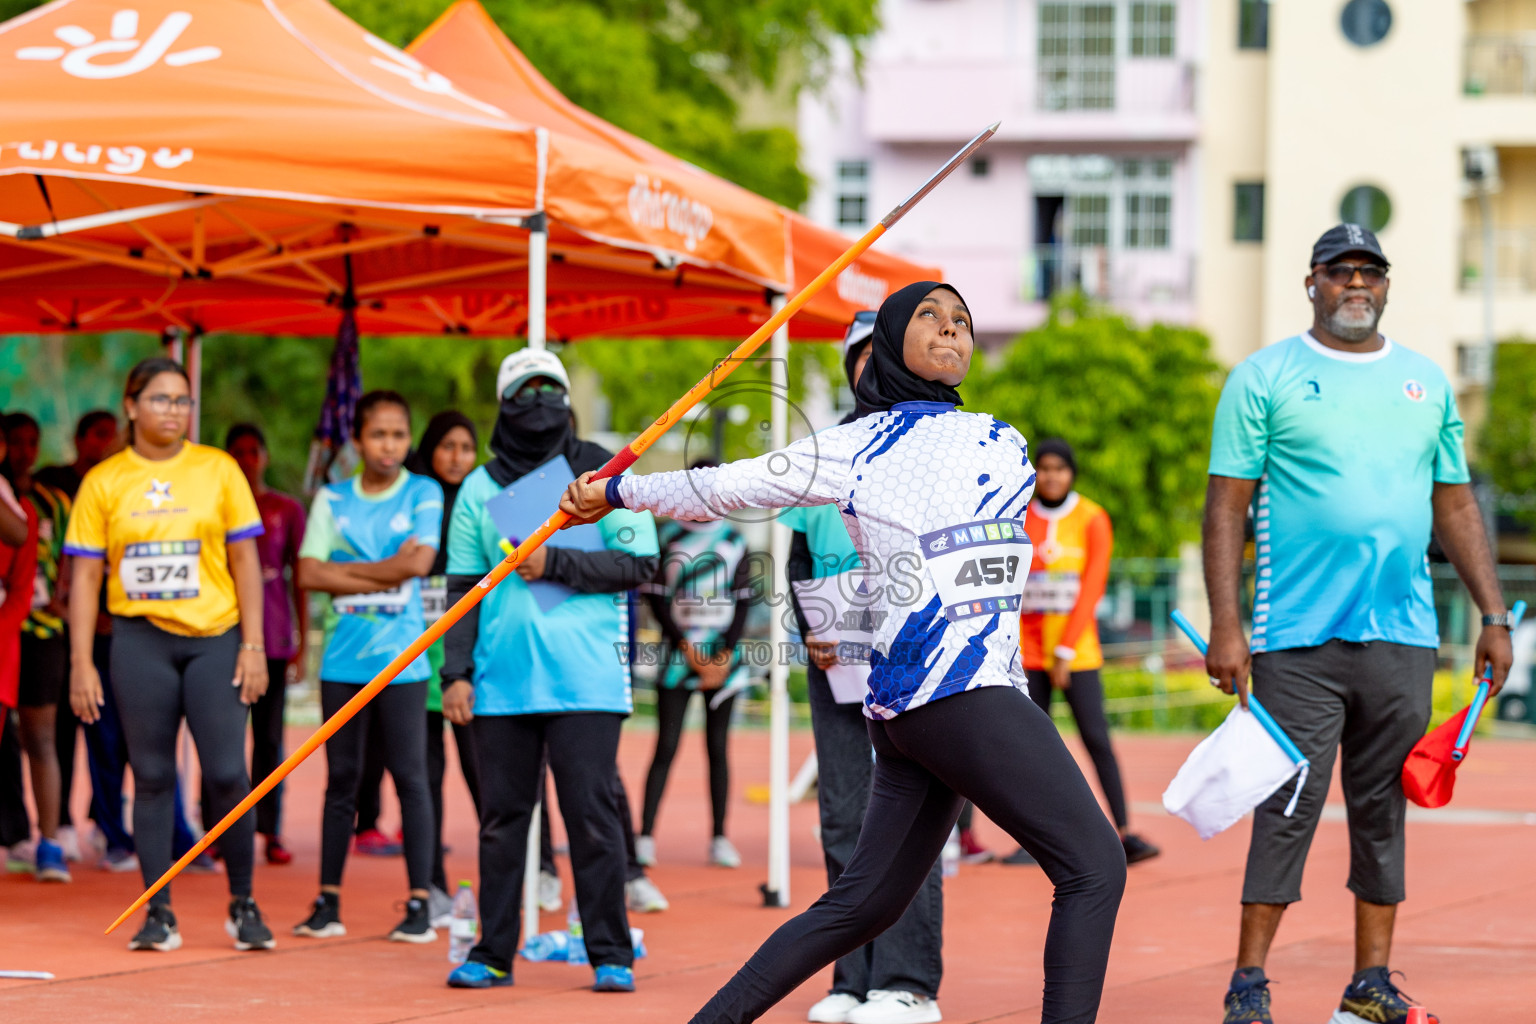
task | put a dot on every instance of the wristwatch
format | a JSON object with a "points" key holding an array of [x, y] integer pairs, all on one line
{"points": [[1502, 619]]}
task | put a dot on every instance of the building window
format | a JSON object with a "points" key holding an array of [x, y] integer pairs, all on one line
{"points": [[852, 193], [1367, 206], [1151, 30], [1088, 214], [1253, 24], [1248, 211], [1077, 56], [1366, 22], [980, 167], [1148, 186]]}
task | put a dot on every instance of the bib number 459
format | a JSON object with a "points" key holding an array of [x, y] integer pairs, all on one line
{"points": [[981, 572]]}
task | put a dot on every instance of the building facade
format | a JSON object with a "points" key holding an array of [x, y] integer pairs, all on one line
{"points": [[1177, 159]]}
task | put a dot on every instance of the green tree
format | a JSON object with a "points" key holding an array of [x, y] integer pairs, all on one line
{"points": [[669, 70], [1507, 442], [1134, 402]]}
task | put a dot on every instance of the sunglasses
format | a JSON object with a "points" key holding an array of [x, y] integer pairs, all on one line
{"points": [[529, 393], [1343, 273]]}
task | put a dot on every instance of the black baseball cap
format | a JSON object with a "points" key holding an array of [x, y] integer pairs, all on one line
{"points": [[1346, 238]]}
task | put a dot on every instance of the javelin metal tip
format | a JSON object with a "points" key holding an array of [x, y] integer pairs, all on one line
{"points": [[939, 175], [994, 126]]}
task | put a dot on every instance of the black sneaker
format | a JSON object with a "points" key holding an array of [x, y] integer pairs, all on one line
{"points": [[159, 931], [1248, 1003], [1021, 857], [1137, 848], [324, 921], [417, 926], [246, 927], [1374, 998]]}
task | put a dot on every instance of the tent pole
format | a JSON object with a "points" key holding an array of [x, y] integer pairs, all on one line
{"points": [[777, 891], [538, 278], [531, 874], [186, 347]]}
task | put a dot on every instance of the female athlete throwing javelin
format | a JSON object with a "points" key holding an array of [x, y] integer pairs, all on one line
{"points": [[934, 499]]}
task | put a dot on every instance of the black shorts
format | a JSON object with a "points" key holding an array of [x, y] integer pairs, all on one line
{"points": [[44, 671]]}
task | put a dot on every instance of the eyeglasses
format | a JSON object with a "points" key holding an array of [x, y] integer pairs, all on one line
{"points": [[165, 403], [1343, 273], [529, 393]]}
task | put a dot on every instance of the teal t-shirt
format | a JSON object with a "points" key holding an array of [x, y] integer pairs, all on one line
{"points": [[572, 658], [832, 550], [367, 631], [1347, 449]]}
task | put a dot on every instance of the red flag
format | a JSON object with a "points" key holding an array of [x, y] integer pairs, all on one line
{"points": [[1429, 774]]}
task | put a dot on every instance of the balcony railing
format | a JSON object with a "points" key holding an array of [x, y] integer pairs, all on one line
{"points": [[1504, 65], [1120, 277], [1514, 259]]}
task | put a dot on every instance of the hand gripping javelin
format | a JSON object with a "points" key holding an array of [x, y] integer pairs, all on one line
{"points": [[616, 465]]}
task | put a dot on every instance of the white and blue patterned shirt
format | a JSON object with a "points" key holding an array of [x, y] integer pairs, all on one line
{"points": [[934, 500]]}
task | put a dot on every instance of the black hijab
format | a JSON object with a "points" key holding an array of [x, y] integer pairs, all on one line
{"points": [[886, 379], [420, 462], [527, 436]]}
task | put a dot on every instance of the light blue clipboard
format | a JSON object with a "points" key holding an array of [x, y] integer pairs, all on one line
{"points": [[521, 508]]}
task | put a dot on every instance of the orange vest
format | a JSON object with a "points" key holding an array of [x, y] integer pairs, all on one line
{"points": [[1066, 580]]}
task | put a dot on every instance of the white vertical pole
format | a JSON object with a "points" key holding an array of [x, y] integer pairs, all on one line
{"points": [[194, 365], [538, 250], [538, 279], [778, 636], [531, 875]]}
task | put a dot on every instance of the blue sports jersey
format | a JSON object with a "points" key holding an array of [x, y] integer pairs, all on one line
{"points": [[573, 657], [1347, 449], [934, 501], [348, 525]]}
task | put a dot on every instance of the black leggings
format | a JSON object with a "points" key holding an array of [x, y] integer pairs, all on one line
{"points": [[401, 710], [1085, 696], [159, 678], [993, 746], [671, 707], [267, 745]]}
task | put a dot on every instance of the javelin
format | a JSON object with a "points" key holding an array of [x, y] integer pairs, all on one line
{"points": [[616, 465]]}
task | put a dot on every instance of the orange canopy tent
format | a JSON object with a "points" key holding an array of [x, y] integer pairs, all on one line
{"points": [[240, 167], [651, 183]]}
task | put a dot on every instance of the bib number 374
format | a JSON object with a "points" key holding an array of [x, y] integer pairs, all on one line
{"points": [[978, 568], [163, 570]]}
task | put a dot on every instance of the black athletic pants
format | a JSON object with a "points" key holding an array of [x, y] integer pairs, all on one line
{"points": [[267, 745], [160, 678], [583, 748], [1085, 696], [437, 767], [995, 747], [671, 708], [401, 711]]}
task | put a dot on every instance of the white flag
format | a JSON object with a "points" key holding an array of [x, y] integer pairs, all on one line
{"points": [[1231, 772]]}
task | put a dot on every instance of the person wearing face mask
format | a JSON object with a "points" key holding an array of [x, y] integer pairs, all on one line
{"points": [[1058, 634], [553, 681], [368, 541], [1348, 448], [934, 500], [895, 976], [448, 451]]}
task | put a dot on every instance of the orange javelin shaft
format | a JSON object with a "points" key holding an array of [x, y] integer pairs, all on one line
{"points": [[620, 462]]}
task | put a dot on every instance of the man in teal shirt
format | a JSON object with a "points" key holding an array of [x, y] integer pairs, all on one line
{"points": [[1348, 450]]}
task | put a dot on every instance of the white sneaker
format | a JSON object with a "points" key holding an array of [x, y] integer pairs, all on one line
{"points": [[549, 892], [439, 907], [644, 897], [833, 1009], [69, 840], [723, 854], [645, 851], [889, 1006]]}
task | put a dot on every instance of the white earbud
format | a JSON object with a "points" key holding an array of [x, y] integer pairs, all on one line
{"points": [[1311, 291]]}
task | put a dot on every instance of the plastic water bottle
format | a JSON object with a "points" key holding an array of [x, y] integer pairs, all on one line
{"points": [[949, 860], [576, 953], [548, 946], [464, 926]]}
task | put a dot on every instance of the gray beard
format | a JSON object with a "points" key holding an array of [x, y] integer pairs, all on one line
{"points": [[1346, 330]]}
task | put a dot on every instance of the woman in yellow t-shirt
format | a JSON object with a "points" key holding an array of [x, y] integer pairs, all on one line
{"points": [[170, 525]]}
